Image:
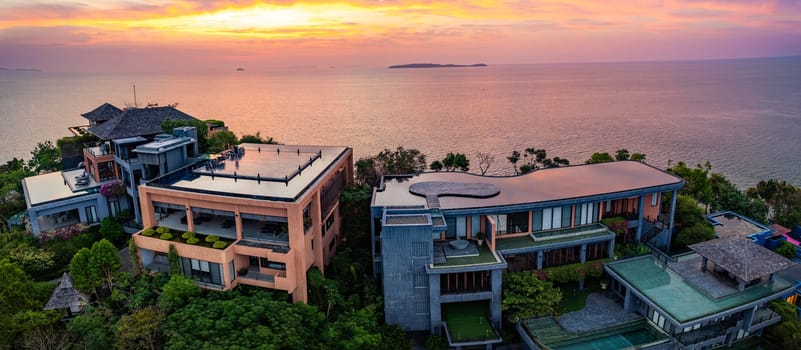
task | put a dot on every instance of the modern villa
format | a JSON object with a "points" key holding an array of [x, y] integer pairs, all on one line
{"points": [[133, 149], [257, 214], [442, 240]]}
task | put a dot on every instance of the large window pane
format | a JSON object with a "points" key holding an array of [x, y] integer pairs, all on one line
{"points": [[518, 222]]}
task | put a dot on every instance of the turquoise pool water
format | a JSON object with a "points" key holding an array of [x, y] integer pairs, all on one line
{"points": [[628, 339]]}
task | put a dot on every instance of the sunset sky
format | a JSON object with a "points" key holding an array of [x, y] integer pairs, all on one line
{"points": [[155, 35]]}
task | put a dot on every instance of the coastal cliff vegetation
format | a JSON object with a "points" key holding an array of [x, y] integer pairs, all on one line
{"points": [[132, 310]]}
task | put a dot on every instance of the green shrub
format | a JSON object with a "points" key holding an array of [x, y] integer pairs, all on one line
{"points": [[148, 232], [786, 249], [187, 235], [219, 245], [166, 236], [192, 240], [212, 239], [162, 230]]}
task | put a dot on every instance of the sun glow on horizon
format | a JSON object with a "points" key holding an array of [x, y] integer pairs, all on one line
{"points": [[499, 31]]}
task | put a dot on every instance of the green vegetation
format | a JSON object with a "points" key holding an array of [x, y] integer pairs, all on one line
{"points": [[691, 224], [526, 296], [786, 249], [389, 162], [534, 159], [574, 272], [620, 155], [787, 333], [452, 162], [575, 298], [717, 193], [257, 139], [468, 321]]}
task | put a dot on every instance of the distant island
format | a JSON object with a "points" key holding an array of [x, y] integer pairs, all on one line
{"points": [[21, 69], [240, 69], [434, 65]]}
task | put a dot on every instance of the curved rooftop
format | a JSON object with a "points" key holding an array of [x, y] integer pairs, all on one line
{"points": [[539, 186]]}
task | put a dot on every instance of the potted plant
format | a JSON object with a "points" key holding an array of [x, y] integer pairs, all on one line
{"points": [[604, 284], [480, 237]]}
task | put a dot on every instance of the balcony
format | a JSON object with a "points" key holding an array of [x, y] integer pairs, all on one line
{"points": [[763, 318], [466, 324], [705, 337]]}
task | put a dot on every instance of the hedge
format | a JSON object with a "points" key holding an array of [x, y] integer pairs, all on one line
{"points": [[574, 272]]}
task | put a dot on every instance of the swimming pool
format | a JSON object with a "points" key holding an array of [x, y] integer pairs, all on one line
{"points": [[636, 336]]}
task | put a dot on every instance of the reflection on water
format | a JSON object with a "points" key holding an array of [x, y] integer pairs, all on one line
{"points": [[743, 116]]}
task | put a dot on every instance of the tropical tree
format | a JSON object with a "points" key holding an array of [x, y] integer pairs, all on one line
{"points": [[95, 267], [600, 157], [526, 296], [201, 126], [112, 231], [140, 330], [258, 139], [45, 157], [222, 140], [514, 158], [453, 161], [389, 162], [177, 292]]}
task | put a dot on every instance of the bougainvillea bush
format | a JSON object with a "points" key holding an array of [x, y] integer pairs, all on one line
{"points": [[112, 189], [62, 233]]}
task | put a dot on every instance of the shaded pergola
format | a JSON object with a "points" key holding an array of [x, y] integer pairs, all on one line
{"points": [[743, 259]]}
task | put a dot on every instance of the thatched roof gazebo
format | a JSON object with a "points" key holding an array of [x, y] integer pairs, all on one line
{"points": [[67, 297], [741, 258]]}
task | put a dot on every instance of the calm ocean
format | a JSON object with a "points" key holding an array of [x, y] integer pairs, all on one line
{"points": [[744, 116]]}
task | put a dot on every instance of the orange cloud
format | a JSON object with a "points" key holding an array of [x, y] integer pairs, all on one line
{"points": [[344, 27]]}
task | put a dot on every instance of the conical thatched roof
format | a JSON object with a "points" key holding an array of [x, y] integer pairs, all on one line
{"points": [[66, 296]]}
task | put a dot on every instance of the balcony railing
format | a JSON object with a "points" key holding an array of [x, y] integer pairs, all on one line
{"points": [[764, 318]]}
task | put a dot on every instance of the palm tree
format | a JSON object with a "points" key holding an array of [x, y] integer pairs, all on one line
{"points": [[514, 158]]}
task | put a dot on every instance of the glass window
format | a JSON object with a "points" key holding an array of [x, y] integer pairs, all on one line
{"points": [[517, 222], [307, 221], [537, 220], [91, 214], [566, 211], [557, 218], [654, 197], [114, 207], [461, 226], [450, 232], [547, 219]]}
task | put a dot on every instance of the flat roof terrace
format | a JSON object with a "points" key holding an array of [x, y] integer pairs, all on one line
{"points": [[731, 225], [57, 186], [679, 298], [538, 186], [264, 171]]}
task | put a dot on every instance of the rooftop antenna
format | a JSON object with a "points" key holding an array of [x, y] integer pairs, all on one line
{"points": [[134, 88]]}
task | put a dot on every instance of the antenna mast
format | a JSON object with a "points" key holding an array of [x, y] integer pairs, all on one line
{"points": [[134, 88]]}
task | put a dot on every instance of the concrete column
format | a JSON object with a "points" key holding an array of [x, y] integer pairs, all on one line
{"points": [[190, 219], [628, 301], [540, 257], [238, 224], [640, 206], [704, 261], [671, 223], [434, 307], [495, 303], [33, 217], [611, 248], [740, 284], [583, 252]]}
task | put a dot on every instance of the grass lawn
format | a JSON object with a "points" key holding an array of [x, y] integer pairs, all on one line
{"points": [[574, 299], [468, 321]]}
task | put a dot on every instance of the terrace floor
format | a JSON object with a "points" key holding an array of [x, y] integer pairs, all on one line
{"points": [[446, 256], [468, 322], [602, 310], [690, 269]]}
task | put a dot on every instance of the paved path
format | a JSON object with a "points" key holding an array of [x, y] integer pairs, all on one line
{"points": [[601, 311]]}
